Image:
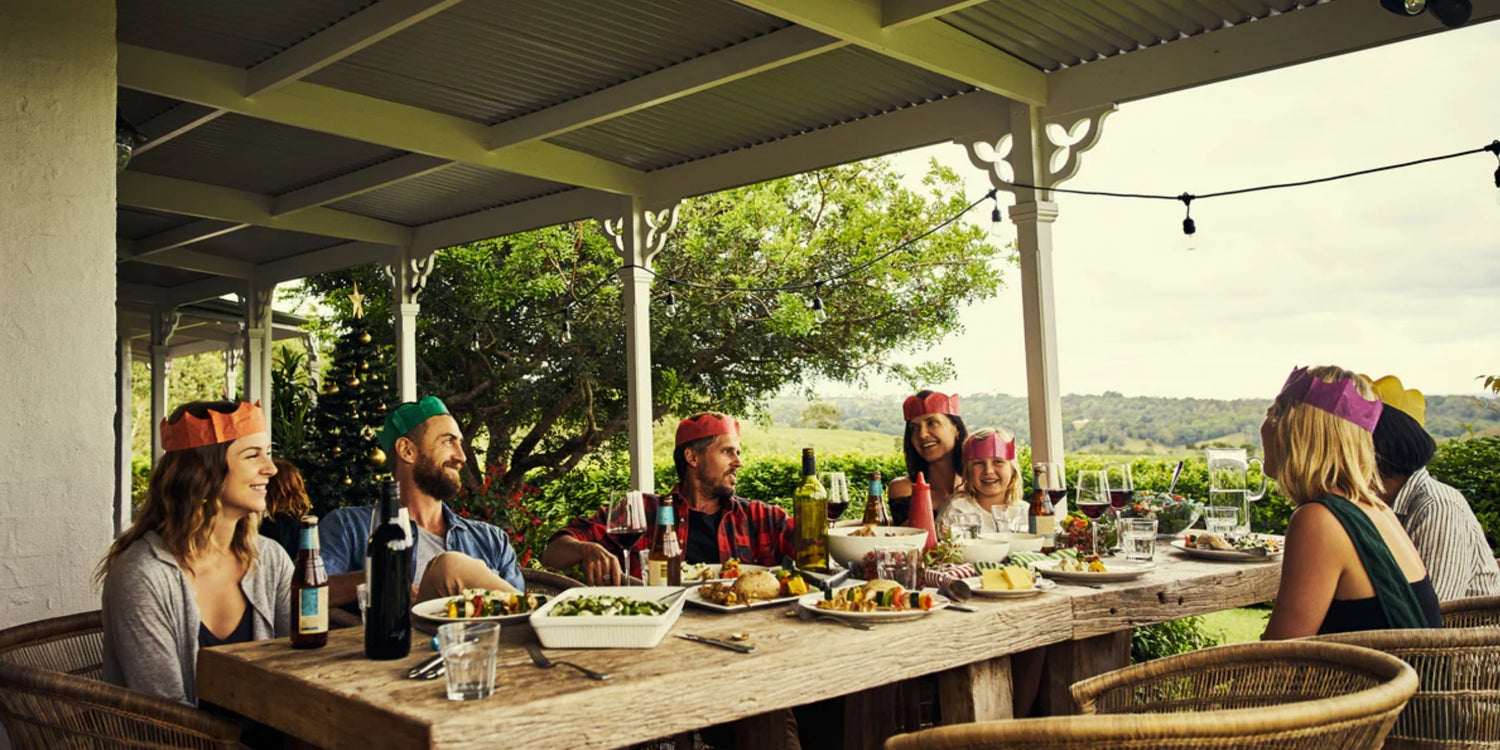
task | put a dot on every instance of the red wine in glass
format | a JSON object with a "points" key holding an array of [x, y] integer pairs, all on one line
{"points": [[626, 537], [1093, 509], [836, 509], [1121, 498], [1057, 496]]}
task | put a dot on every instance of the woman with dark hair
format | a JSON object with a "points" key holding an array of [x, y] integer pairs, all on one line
{"points": [[192, 571], [1348, 563], [286, 503], [1437, 517], [934, 432]]}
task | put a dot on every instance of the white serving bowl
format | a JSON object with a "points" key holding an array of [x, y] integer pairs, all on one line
{"points": [[852, 549], [984, 550], [1023, 542]]}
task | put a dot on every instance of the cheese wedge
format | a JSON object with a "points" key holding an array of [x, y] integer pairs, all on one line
{"points": [[993, 579], [1016, 577]]}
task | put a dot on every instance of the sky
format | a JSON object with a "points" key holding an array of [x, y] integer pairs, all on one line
{"points": [[1390, 273]]}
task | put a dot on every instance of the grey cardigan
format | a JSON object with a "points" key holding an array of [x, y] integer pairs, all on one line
{"points": [[151, 616]]}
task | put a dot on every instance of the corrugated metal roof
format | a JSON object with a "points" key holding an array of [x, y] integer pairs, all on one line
{"points": [[262, 157], [136, 223], [151, 275], [139, 106], [1061, 33], [263, 245], [233, 32], [490, 60], [835, 87], [456, 190]]}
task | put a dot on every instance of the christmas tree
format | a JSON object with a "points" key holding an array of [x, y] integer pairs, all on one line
{"points": [[344, 463]]}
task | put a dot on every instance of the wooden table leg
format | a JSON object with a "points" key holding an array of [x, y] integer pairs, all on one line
{"points": [[1071, 661], [769, 731], [976, 692], [871, 716]]}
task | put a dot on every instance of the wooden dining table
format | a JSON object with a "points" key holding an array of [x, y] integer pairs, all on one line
{"points": [[336, 698]]}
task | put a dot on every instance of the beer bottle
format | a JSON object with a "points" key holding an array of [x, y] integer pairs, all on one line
{"points": [[810, 516], [875, 511], [1041, 518], [664, 565], [310, 590], [388, 576]]}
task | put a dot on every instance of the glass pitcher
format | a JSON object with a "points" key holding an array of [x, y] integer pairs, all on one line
{"points": [[1229, 483]]}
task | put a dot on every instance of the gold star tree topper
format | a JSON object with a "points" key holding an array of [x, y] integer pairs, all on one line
{"points": [[358, 300]]}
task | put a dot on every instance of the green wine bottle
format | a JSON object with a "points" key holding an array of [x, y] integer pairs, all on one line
{"points": [[810, 516]]}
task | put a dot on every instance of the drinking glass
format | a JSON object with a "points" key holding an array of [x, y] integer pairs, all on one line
{"points": [[1138, 538], [1229, 482], [1221, 520], [838, 493], [964, 525], [627, 524], [1093, 499], [1121, 488], [899, 563], [469, 652], [1051, 477], [1005, 517]]}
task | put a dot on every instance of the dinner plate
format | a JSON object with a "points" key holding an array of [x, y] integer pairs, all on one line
{"points": [[713, 574], [1115, 570], [810, 601], [977, 590], [1225, 555], [433, 609], [696, 599]]}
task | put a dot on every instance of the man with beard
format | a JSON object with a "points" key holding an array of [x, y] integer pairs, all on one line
{"points": [[713, 523], [423, 445]]}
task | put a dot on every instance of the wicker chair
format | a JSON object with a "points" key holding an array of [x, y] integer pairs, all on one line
{"points": [[1290, 694], [1480, 611], [1458, 704], [547, 582], [51, 696]]}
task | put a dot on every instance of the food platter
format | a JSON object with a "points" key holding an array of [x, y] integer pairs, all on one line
{"points": [[1227, 555], [712, 573], [433, 610], [809, 602], [1117, 570], [978, 590], [696, 599]]}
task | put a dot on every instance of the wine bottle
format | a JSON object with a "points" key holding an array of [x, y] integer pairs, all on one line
{"points": [[388, 576], [310, 590], [664, 565], [875, 510], [1041, 518], [921, 511], [810, 516]]}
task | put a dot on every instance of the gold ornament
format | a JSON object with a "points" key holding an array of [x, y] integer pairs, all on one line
{"points": [[364, 366], [364, 337], [377, 457], [352, 382], [358, 301], [348, 482], [338, 451]]}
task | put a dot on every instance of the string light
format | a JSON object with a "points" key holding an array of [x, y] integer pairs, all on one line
{"points": [[1189, 229], [1494, 148], [819, 314], [671, 303], [567, 331]]}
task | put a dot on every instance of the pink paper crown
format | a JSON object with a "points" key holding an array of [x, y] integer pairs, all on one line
{"points": [[989, 446], [706, 425], [1340, 398], [935, 403], [191, 432]]}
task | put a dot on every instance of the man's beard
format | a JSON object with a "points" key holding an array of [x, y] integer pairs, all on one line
{"points": [[433, 479], [720, 490]]}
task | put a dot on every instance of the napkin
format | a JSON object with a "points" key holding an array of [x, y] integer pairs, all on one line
{"points": [[936, 577]]}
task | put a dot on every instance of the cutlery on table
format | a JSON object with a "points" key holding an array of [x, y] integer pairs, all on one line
{"points": [[808, 615], [740, 647], [429, 669], [1176, 472], [540, 659]]}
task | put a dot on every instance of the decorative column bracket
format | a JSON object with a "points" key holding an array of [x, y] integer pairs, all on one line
{"points": [[1065, 139], [409, 277], [657, 225], [234, 356]]}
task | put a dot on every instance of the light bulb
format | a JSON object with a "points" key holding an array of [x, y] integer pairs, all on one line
{"points": [[819, 314], [567, 332], [670, 303], [1189, 235]]}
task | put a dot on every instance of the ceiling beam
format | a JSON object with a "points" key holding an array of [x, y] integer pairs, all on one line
{"points": [[127, 293], [946, 120], [172, 195], [338, 41], [546, 211], [730, 64], [200, 262], [931, 45], [898, 13], [174, 122], [197, 291], [179, 236], [336, 258], [365, 118], [357, 182], [1290, 38]]}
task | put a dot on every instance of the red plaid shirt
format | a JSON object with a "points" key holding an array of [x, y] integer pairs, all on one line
{"points": [[752, 531]]}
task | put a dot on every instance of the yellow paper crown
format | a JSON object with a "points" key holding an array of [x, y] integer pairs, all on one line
{"points": [[1397, 396]]}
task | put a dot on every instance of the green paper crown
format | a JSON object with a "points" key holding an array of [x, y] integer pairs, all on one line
{"points": [[406, 417]]}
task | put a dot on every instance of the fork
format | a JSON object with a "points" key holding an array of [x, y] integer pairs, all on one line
{"points": [[541, 660]]}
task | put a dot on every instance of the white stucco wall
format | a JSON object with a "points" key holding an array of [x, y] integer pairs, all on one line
{"points": [[57, 303]]}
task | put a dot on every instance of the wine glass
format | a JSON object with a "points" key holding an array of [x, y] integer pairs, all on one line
{"points": [[838, 493], [1121, 488], [1093, 499], [1051, 478], [627, 524]]}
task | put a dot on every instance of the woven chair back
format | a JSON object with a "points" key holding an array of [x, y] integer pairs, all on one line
{"points": [[1458, 703], [546, 582], [1478, 612]]}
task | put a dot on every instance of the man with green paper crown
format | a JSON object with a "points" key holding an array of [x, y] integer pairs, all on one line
{"points": [[425, 450]]}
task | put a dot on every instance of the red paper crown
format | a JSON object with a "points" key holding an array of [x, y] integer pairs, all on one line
{"points": [[935, 403], [989, 446], [191, 432], [706, 425]]}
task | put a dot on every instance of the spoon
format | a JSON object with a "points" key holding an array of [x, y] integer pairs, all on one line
{"points": [[1176, 472]]}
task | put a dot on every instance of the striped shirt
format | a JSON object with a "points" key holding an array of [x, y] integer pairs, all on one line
{"points": [[1448, 537]]}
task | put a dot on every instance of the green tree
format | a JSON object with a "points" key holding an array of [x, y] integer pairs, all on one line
{"points": [[822, 415], [341, 461], [533, 403]]}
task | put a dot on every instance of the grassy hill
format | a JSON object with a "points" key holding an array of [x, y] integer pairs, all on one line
{"points": [[788, 441]]}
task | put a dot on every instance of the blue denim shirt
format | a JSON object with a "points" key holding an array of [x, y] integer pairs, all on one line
{"points": [[345, 532]]}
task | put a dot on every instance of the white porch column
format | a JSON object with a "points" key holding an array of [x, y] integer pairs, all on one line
{"points": [[638, 236], [124, 424], [234, 355], [258, 339], [163, 325], [408, 277]]}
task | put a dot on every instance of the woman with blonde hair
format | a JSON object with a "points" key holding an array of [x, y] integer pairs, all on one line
{"points": [[1348, 563], [991, 479], [192, 571]]}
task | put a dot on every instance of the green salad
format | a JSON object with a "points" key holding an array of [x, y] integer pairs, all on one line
{"points": [[605, 605], [1173, 514]]}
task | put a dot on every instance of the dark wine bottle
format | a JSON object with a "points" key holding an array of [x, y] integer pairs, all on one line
{"points": [[388, 576]]}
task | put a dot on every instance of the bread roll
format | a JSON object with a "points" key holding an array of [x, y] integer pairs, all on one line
{"points": [[757, 585]]}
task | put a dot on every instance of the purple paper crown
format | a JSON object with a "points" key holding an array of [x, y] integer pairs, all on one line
{"points": [[1340, 398]]}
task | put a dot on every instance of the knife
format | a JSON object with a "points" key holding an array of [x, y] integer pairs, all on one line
{"points": [[740, 647], [427, 668]]}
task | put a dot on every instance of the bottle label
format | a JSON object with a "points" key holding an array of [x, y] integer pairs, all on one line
{"points": [[312, 610], [308, 538], [656, 573], [1044, 525], [665, 516]]}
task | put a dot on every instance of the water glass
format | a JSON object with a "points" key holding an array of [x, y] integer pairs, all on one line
{"points": [[469, 653], [965, 525], [1138, 538], [1221, 519], [898, 563]]}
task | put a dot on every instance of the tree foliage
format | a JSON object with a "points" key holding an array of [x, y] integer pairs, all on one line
{"points": [[533, 405], [824, 416]]}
